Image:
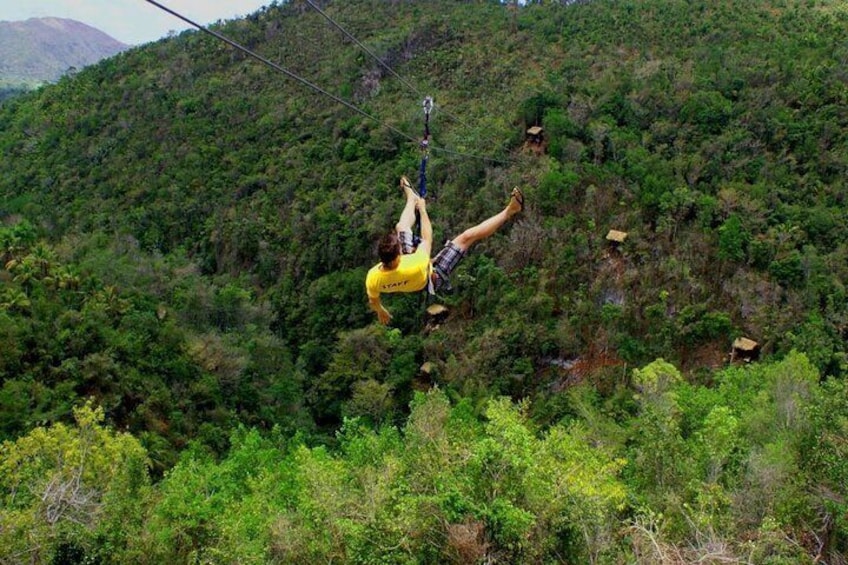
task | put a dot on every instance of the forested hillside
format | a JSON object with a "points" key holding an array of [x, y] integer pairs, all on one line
{"points": [[190, 371]]}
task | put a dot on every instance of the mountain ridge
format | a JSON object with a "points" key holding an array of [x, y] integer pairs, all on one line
{"points": [[39, 50]]}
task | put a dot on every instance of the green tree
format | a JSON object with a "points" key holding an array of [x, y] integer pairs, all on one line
{"points": [[77, 485], [709, 110], [732, 240]]}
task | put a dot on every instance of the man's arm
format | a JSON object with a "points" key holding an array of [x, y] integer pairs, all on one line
{"points": [[382, 314]]}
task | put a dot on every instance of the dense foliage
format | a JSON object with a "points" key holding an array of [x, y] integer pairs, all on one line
{"points": [[10, 89], [185, 235], [749, 470]]}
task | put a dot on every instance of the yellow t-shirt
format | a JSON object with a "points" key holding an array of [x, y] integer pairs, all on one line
{"points": [[411, 275]]}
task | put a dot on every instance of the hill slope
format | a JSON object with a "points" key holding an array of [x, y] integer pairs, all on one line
{"points": [[185, 234], [41, 50], [724, 164]]}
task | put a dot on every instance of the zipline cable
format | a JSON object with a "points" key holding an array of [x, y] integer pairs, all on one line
{"points": [[376, 58], [277, 67], [405, 82], [311, 85]]}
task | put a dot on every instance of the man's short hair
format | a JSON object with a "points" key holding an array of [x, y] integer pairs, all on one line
{"points": [[388, 248]]}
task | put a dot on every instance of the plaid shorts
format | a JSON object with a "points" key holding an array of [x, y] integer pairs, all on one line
{"points": [[443, 264], [407, 243]]}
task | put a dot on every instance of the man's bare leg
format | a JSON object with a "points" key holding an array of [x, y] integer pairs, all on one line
{"points": [[407, 216], [488, 227]]}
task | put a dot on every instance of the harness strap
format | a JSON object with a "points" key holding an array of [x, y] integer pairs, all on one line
{"points": [[425, 148], [425, 155]]}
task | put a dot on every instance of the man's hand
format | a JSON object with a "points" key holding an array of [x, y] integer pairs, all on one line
{"points": [[383, 315]]}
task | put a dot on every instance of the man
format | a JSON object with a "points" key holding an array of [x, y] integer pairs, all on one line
{"points": [[405, 268]]}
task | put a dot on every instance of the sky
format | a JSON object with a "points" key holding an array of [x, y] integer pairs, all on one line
{"points": [[131, 21]]}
